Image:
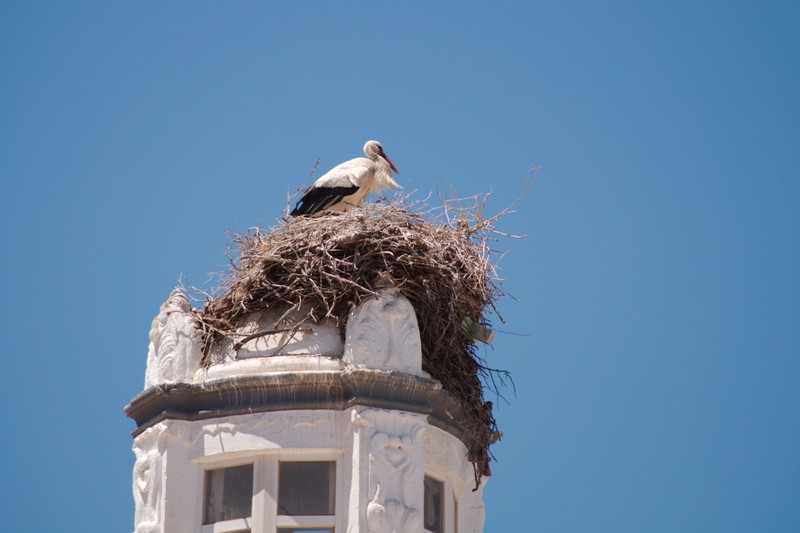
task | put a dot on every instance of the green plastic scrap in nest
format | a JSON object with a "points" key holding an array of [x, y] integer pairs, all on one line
{"points": [[477, 331]]}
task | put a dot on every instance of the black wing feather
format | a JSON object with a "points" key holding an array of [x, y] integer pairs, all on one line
{"points": [[317, 199]]}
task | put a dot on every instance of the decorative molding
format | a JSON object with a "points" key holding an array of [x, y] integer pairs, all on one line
{"points": [[147, 479], [300, 390], [174, 353], [395, 470], [391, 465], [383, 334]]}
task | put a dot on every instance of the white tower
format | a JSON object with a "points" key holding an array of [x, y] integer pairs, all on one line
{"points": [[299, 431], [273, 410]]}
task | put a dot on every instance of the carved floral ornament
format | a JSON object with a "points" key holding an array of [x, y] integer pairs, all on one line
{"points": [[174, 352], [383, 333]]}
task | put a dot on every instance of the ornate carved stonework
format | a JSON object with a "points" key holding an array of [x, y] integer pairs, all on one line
{"points": [[383, 334], [147, 475], [395, 470], [174, 353], [391, 464]]}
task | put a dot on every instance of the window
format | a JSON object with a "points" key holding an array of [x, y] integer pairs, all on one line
{"points": [[228, 497], [306, 493], [433, 515], [270, 495]]}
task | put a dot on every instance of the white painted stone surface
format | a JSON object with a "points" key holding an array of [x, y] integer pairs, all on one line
{"points": [[294, 336], [260, 366]]}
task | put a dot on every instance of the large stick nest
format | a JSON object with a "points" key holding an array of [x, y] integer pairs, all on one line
{"points": [[438, 259]]}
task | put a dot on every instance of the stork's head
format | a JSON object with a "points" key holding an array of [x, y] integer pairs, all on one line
{"points": [[374, 151]]}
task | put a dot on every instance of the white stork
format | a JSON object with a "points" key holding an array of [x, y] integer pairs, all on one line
{"points": [[348, 184]]}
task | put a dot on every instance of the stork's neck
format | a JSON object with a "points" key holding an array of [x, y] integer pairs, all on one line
{"points": [[383, 175], [383, 165]]}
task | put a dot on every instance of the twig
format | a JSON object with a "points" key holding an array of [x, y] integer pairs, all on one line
{"points": [[239, 344]]}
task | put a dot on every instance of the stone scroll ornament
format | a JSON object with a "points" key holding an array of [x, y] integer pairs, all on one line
{"points": [[174, 353], [383, 334]]}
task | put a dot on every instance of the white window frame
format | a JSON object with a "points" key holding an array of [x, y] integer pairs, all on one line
{"points": [[264, 517], [229, 525]]}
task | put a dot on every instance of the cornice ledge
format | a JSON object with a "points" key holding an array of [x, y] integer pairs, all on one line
{"points": [[286, 391]]}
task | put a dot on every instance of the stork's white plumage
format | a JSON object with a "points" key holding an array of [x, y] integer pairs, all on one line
{"points": [[348, 184]]}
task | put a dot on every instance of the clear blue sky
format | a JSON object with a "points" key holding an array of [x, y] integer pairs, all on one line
{"points": [[658, 386]]}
